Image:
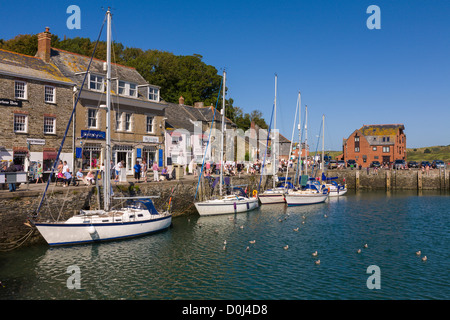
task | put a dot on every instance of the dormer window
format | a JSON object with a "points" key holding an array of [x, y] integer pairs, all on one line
{"points": [[96, 82], [127, 89], [153, 94]]}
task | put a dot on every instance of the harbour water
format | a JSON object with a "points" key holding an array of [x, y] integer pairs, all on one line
{"points": [[190, 261]]}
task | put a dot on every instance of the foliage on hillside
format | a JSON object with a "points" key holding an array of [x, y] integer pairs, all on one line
{"points": [[429, 153], [186, 76]]}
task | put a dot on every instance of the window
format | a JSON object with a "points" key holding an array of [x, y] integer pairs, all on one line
{"points": [[127, 89], [95, 82], [127, 121], [149, 124], [92, 118], [386, 149], [374, 148], [356, 139], [20, 90], [133, 91], [49, 93], [118, 120], [153, 94], [356, 149], [49, 125], [20, 123]]}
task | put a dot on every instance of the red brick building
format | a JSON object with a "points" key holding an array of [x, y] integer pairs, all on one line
{"points": [[384, 143]]}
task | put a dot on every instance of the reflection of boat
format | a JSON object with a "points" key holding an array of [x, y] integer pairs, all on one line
{"points": [[138, 218], [226, 203]]}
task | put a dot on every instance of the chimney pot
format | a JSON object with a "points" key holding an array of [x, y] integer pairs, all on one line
{"points": [[44, 45], [181, 100]]}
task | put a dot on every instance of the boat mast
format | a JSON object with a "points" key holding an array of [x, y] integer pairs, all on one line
{"points": [[106, 174], [298, 171], [323, 142], [306, 139], [274, 169], [222, 132]]}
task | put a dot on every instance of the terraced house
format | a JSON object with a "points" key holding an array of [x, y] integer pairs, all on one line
{"points": [[384, 143], [137, 115], [35, 101]]}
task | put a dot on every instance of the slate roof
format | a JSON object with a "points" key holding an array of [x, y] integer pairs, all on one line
{"points": [[72, 64], [181, 116], [30, 67]]}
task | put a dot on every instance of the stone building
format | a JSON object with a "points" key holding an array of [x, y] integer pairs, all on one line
{"points": [[384, 143], [35, 102], [137, 112]]}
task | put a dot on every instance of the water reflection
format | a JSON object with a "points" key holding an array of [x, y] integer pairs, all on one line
{"points": [[191, 261]]}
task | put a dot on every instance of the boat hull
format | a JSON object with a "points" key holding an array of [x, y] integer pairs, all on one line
{"points": [[216, 207], [272, 198], [337, 193], [77, 233], [305, 198]]}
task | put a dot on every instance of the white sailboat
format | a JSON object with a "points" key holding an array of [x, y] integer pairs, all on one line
{"points": [[276, 194], [308, 193], [137, 219], [229, 203], [335, 189]]}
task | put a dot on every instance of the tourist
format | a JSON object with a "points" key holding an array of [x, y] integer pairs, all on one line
{"points": [[90, 178], [11, 168], [155, 171], [137, 171], [165, 173], [65, 167], [60, 166], [39, 173], [80, 176], [144, 171], [67, 177]]}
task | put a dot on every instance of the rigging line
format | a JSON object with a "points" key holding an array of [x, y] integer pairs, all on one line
{"points": [[209, 138], [315, 153], [292, 141], [70, 119], [265, 153]]}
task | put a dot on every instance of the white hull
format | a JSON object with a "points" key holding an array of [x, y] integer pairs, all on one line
{"points": [[227, 205], [336, 193], [103, 226], [298, 198], [272, 197]]}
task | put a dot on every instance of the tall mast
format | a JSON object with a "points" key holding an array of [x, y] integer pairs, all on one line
{"points": [[223, 132], [106, 174], [299, 159], [274, 169], [323, 142], [306, 139]]}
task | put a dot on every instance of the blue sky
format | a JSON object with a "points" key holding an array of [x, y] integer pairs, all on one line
{"points": [[355, 76]]}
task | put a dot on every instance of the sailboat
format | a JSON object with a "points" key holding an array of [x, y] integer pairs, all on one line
{"points": [[306, 192], [226, 204], [139, 218], [276, 194], [335, 189]]}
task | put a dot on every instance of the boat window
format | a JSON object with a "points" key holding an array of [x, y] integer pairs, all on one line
{"points": [[140, 215], [118, 219], [132, 216], [107, 220]]}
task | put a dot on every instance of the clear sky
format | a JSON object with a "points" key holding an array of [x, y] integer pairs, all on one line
{"points": [[355, 76]]}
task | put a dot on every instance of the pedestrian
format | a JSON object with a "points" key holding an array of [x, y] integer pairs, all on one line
{"points": [[144, 171], [39, 173], [137, 171], [12, 185], [155, 171]]}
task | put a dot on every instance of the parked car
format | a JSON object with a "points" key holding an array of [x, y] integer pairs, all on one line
{"points": [[413, 164], [341, 164], [438, 164], [332, 164], [399, 164], [375, 164], [351, 164], [424, 164]]}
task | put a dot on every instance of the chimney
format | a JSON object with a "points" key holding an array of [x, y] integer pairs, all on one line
{"points": [[181, 100], [44, 45], [198, 105]]}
